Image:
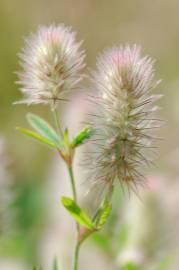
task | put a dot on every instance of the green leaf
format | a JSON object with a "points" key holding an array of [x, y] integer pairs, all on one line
{"points": [[36, 136], [77, 213], [84, 134], [66, 137], [42, 127], [130, 266], [103, 215]]}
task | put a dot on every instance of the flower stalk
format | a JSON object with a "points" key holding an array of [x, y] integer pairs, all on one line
{"points": [[76, 256], [70, 170], [69, 163]]}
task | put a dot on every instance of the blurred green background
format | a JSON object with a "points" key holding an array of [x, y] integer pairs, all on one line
{"points": [[101, 24]]}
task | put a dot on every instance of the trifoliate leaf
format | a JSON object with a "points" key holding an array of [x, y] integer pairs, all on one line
{"points": [[43, 128], [77, 213], [37, 137], [103, 215], [83, 135]]}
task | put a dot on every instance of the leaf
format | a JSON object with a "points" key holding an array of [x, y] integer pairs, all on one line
{"points": [[84, 134], [36, 136], [42, 127], [77, 213], [66, 137], [130, 266], [103, 215]]}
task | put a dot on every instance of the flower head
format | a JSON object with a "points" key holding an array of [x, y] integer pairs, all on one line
{"points": [[122, 118], [52, 63]]}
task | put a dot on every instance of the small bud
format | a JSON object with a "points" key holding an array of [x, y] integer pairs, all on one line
{"points": [[82, 136]]}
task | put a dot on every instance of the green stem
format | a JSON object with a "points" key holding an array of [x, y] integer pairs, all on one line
{"points": [[76, 256], [57, 122], [81, 238], [77, 247], [73, 186], [70, 169], [72, 180]]}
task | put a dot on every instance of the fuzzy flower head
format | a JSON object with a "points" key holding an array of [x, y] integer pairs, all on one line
{"points": [[52, 62], [122, 117]]}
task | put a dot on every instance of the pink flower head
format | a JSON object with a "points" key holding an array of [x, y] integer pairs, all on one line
{"points": [[52, 63], [123, 119]]}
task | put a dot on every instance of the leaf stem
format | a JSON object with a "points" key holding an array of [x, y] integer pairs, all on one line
{"points": [[57, 122]]}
